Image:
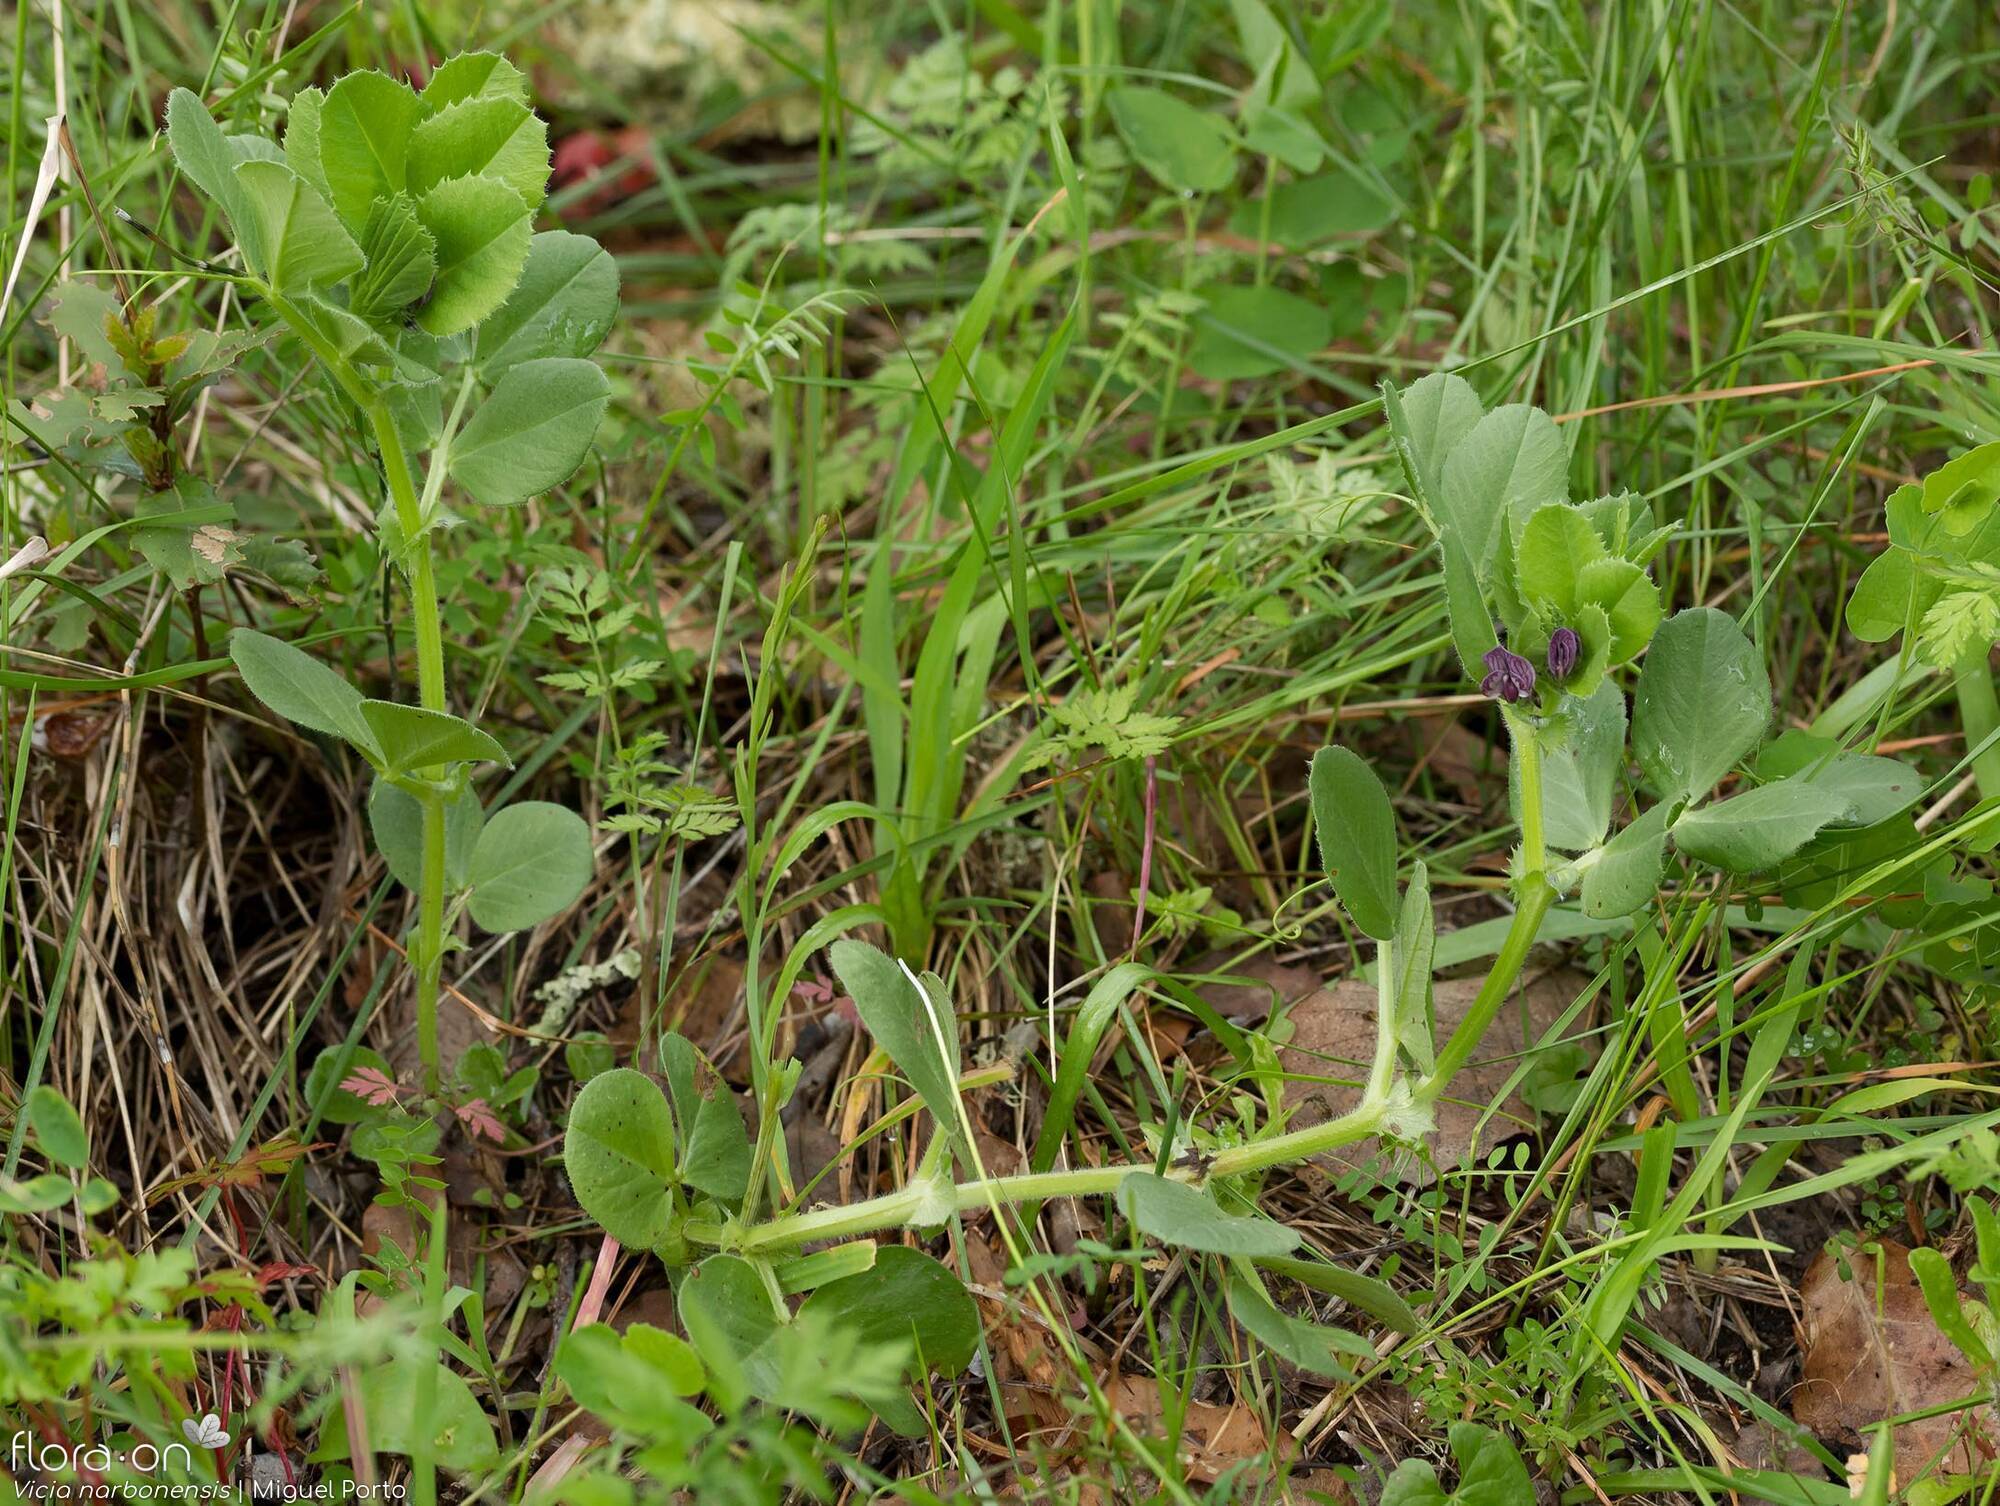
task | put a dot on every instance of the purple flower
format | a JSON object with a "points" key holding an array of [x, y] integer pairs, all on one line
{"points": [[1509, 677], [1565, 648]]}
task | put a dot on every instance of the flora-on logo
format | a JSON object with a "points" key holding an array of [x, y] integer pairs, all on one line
{"points": [[205, 1433]]}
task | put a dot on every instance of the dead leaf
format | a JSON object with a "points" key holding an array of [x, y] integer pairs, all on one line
{"points": [[1214, 1439], [1334, 1037], [1866, 1359]]}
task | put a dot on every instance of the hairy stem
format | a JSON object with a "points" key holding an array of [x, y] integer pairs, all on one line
{"points": [[428, 623], [931, 1199]]}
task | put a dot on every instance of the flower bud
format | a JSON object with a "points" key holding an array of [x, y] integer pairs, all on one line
{"points": [[1509, 677], [1565, 648]]}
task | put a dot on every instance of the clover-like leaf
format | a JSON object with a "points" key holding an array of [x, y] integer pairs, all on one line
{"points": [[1510, 464], [1187, 149], [532, 860]]}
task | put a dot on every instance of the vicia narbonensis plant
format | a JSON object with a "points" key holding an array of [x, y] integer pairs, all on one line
{"points": [[1567, 585], [392, 235]]}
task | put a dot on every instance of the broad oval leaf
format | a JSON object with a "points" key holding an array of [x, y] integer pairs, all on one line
{"points": [[481, 229], [1176, 1214], [1186, 149], [1377, 1298], [906, 1298], [1252, 332], [634, 1381], [58, 1129], [531, 861], [619, 1154], [396, 817], [1702, 702], [1357, 838], [562, 306], [728, 1314], [532, 432], [1508, 465], [917, 1028], [461, 1434], [301, 689]]}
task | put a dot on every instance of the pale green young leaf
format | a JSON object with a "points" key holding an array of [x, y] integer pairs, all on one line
{"points": [[302, 138], [1702, 703], [297, 239], [635, 1381], [618, 1152], [1555, 544], [1629, 600], [414, 737], [532, 432], [364, 136], [532, 860], [471, 75], [301, 689], [482, 232], [562, 306], [396, 818], [1875, 788], [492, 136], [1177, 1214], [1357, 838], [402, 261], [1893, 592]]}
